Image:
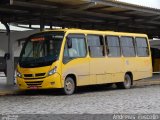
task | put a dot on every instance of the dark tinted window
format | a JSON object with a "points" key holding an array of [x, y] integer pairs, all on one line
{"points": [[41, 49], [113, 46], [127, 44], [95, 45], [142, 47]]}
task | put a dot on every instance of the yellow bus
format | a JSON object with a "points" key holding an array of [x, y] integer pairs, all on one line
{"points": [[68, 58]]}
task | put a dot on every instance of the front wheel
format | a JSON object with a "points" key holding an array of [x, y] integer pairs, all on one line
{"points": [[69, 86], [126, 84]]}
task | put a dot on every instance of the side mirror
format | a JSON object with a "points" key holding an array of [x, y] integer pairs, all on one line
{"points": [[69, 42]]}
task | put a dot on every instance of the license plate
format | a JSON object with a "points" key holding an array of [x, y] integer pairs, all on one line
{"points": [[33, 87]]}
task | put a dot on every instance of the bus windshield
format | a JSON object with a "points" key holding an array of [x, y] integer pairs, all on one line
{"points": [[41, 49]]}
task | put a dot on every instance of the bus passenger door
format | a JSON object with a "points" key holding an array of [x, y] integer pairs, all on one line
{"points": [[114, 62], [97, 59], [129, 54], [143, 64]]}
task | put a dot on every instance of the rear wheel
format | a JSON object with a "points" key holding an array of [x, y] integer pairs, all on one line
{"points": [[126, 84], [69, 86]]}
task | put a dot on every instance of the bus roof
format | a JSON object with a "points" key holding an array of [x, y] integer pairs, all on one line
{"points": [[75, 30]]}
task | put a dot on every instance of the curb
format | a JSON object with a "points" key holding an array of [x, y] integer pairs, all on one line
{"points": [[8, 92], [146, 82]]}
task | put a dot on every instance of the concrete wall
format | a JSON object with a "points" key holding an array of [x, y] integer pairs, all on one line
{"points": [[16, 47], [14, 37]]}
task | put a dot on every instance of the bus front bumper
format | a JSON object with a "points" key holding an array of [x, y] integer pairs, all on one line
{"points": [[53, 81]]}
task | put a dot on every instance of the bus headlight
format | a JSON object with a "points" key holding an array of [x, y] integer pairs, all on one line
{"points": [[18, 74], [51, 72]]}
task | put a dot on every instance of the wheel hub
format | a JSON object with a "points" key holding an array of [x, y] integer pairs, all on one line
{"points": [[69, 85]]}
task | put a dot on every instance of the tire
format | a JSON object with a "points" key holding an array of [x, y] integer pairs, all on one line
{"points": [[126, 84], [69, 86]]}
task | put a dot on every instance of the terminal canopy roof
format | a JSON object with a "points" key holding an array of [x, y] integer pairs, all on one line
{"points": [[86, 14]]}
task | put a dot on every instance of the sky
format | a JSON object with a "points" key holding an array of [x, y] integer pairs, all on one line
{"points": [[148, 3], [2, 27]]}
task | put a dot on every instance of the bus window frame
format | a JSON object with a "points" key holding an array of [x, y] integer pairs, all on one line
{"points": [[134, 45], [106, 43], [103, 40], [149, 53], [65, 45]]}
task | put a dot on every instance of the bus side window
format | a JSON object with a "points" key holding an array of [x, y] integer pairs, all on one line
{"points": [[96, 45], [72, 47], [142, 47], [75, 46], [113, 46], [128, 47], [69, 50]]}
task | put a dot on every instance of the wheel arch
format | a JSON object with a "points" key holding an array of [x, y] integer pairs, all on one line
{"points": [[73, 76]]}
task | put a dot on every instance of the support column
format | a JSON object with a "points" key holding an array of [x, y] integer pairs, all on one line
{"points": [[42, 26], [42, 23], [9, 58]]}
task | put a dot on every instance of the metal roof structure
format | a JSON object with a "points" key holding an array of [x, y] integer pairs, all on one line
{"points": [[87, 14]]}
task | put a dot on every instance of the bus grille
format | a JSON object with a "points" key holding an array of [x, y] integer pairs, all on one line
{"points": [[28, 75], [34, 83], [39, 74], [34, 76]]}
